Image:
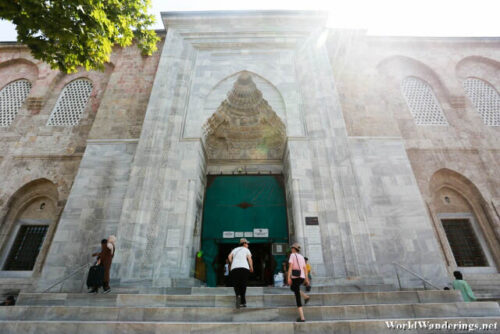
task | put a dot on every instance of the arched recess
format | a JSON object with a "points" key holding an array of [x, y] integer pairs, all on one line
{"points": [[397, 68], [480, 67], [244, 126], [208, 98], [243, 130], [27, 228], [18, 68], [269, 91], [59, 82], [463, 224], [480, 78]]}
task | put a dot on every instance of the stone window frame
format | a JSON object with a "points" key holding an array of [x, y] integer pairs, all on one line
{"points": [[416, 113], [491, 268], [10, 243], [61, 96], [11, 224], [473, 102], [23, 102]]}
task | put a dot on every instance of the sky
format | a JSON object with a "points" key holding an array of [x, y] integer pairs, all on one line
{"points": [[377, 17]]}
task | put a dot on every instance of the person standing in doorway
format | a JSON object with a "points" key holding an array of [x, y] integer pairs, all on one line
{"points": [[297, 274], [240, 259], [463, 287]]}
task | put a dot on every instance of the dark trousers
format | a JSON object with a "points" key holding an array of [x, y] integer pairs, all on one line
{"points": [[239, 278], [295, 287]]}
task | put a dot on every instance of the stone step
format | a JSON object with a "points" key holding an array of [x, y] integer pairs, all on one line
{"points": [[286, 290], [321, 299], [250, 290], [274, 327], [225, 314]]}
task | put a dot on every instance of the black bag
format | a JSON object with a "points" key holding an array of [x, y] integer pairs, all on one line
{"points": [[95, 278], [296, 272]]}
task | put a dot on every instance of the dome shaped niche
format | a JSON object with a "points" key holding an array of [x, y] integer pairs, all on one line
{"points": [[244, 126]]}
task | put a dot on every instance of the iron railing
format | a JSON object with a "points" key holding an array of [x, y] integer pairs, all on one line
{"points": [[396, 265]]}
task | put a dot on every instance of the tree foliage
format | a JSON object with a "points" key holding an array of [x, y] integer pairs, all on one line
{"points": [[68, 34]]}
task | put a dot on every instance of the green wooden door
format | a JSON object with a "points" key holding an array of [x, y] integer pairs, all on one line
{"points": [[239, 205]]}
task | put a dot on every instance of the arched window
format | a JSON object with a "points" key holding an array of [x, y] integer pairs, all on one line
{"points": [[422, 102], [29, 223], [71, 103], [485, 99], [461, 223], [12, 97]]}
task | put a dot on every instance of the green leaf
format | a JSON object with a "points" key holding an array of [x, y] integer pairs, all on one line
{"points": [[68, 34]]}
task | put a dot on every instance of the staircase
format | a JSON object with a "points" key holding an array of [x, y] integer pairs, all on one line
{"points": [[485, 286], [270, 310]]}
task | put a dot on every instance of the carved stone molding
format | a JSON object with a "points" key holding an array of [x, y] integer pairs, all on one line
{"points": [[244, 125]]}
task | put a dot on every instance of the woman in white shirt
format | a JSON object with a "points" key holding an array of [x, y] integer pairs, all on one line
{"points": [[240, 259]]}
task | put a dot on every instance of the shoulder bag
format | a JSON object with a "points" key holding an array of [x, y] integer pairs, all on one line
{"points": [[296, 272]]}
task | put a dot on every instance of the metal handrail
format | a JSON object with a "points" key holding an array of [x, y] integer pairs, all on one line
{"points": [[414, 274], [67, 277]]}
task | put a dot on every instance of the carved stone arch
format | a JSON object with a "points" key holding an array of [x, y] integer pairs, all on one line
{"points": [[18, 69], [35, 203], [432, 95], [244, 126], [269, 90], [399, 67], [479, 67], [455, 196]]}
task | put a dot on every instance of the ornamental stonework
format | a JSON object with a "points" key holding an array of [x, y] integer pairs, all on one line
{"points": [[244, 126]]}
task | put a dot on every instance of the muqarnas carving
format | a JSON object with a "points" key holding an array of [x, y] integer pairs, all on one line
{"points": [[244, 126]]}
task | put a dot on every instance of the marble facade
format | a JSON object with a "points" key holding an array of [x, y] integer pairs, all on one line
{"points": [[148, 188]]}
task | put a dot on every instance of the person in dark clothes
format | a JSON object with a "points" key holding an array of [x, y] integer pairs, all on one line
{"points": [[297, 274], [240, 259], [9, 301], [104, 258]]}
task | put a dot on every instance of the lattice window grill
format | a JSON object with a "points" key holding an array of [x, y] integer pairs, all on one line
{"points": [[485, 99], [422, 102], [464, 243], [12, 97], [71, 103], [27, 245]]}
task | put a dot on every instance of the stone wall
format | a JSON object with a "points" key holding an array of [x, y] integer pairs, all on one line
{"points": [[369, 71], [31, 150]]}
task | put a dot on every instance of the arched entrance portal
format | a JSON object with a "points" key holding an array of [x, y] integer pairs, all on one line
{"points": [[244, 130], [253, 207]]}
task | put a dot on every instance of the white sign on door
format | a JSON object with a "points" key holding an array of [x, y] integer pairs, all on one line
{"points": [[261, 233], [238, 234], [248, 234], [228, 234]]}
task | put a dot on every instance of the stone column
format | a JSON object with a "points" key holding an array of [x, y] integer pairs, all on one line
{"points": [[154, 218], [346, 246]]}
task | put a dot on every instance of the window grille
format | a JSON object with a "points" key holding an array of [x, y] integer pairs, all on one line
{"points": [[485, 99], [26, 247], [71, 103], [12, 97], [464, 243], [422, 102]]}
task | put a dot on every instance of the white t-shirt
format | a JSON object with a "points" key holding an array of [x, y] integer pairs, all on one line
{"points": [[240, 258]]}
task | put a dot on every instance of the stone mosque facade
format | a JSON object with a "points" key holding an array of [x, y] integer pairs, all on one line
{"points": [[385, 151]]}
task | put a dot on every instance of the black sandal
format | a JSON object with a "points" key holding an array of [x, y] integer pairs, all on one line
{"points": [[300, 320]]}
